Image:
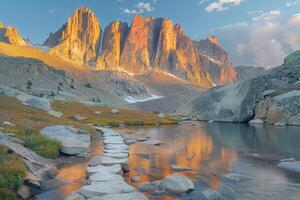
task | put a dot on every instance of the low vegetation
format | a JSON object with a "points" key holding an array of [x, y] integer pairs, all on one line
{"points": [[12, 173], [47, 148]]}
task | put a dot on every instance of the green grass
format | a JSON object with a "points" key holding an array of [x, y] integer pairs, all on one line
{"points": [[12, 173], [45, 147]]}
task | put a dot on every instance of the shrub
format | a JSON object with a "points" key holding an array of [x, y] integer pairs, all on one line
{"points": [[12, 173], [43, 146]]}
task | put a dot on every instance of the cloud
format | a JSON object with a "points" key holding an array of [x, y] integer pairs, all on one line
{"points": [[140, 8], [261, 44], [292, 3], [222, 5], [267, 16]]}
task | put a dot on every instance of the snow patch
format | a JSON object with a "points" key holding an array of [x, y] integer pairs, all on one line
{"points": [[131, 99]]}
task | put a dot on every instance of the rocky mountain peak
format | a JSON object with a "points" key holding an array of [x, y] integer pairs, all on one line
{"points": [[213, 40], [10, 35], [79, 39]]}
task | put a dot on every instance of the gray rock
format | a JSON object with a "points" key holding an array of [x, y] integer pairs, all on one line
{"points": [[116, 151], [236, 177], [135, 179], [124, 196], [7, 123], [103, 188], [180, 168], [55, 113], [97, 112], [38, 167], [104, 176], [114, 111], [177, 184], [210, 194], [256, 121], [288, 160], [290, 166], [79, 118], [94, 161], [40, 103], [74, 196], [115, 169], [116, 155], [161, 115], [148, 187], [153, 142], [72, 142], [116, 147], [130, 141], [142, 139]]}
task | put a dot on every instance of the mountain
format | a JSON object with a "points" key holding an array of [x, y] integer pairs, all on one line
{"points": [[78, 40], [147, 44], [216, 61], [272, 97], [247, 72], [10, 35]]}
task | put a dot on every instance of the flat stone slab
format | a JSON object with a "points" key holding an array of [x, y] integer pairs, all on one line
{"points": [[73, 143], [290, 166], [104, 188], [112, 140], [115, 151], [116, 155], [180, 168], [236, 177], [153, 142], [94, 161], [111, 161], [115, 169], [104, 176], [116, 146], [124, 196], [210, 194]]}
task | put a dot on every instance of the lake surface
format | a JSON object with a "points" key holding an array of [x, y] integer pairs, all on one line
{"points": [[212, 150]]}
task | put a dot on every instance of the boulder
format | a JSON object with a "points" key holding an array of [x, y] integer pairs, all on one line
{"points": [[290, 166], [177, 184], [94, 161], [116, 155], [288, 160], [40, 103], [7, 123], [97, 112], [114, 111], [115, 169], [73, 143], [38, 167], [105, 188], [79, 118], [161, 115], [116, 147]]}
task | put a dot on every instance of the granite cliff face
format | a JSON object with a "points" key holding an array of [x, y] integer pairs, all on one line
{"points": [[10, 35], [78, 40], [216, 61], [148, 44]]}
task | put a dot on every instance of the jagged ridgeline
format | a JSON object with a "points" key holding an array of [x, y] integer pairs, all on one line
{"points": [[147, 44]]}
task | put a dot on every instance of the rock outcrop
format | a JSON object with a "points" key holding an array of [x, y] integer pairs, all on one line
{"points": [[248, 72], [276, 90], [112, 45], [215, 60], [10, 35], [78, 40]]}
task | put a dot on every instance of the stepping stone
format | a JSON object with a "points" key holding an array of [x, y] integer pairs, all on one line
{"points": [[116, 151], [111, 161], [104, 176], [124, 196], [111, 140], [153, 142], [115, 169], [116, 155], [180, 168], [104, 188], [116, 146], [94, 161]]}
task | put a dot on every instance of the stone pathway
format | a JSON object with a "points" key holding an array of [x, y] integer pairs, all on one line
{"points": [[104, 172]]}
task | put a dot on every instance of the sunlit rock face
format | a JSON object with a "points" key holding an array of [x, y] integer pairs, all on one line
{"points": [[10, 35], [78, 40], [216, 61], [113, 43]]}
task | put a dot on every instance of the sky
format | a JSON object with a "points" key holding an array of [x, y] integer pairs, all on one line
{"points": [[253, 32]]}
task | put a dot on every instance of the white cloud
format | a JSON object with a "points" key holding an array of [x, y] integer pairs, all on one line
{"points": [[261, 44], [267, 16], [140, 8], [292, 3], [222, 5]]}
